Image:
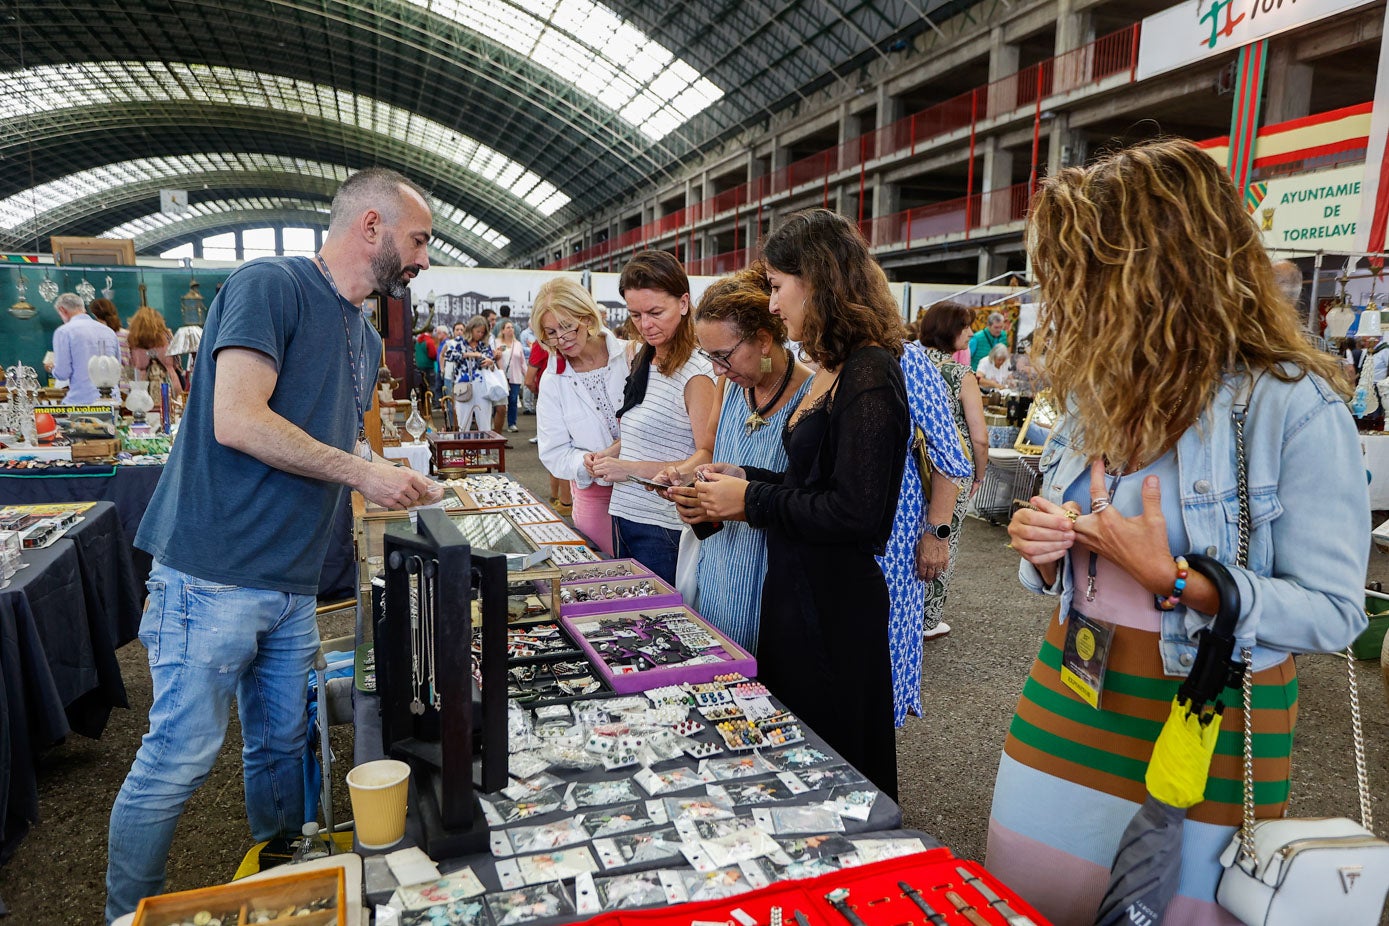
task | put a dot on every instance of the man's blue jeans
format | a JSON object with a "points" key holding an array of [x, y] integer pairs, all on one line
{"points": [[208, 643]]}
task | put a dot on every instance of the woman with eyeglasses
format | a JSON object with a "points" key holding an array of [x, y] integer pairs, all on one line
{"points": [[760, 382], [670, 387], [576, 413], [823, 639]]}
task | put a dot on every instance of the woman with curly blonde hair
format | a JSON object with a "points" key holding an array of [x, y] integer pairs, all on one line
{"points": [[823, 641], [1152, 249]]}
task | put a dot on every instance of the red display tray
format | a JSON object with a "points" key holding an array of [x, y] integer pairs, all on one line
{"points": [[874, 896], [736, 658]]}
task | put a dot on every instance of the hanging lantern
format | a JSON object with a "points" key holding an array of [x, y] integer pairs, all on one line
{"points": [[194, 309], [22, 309]]}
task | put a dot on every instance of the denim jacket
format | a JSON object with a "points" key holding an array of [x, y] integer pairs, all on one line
{"points": [[1309, 511]]}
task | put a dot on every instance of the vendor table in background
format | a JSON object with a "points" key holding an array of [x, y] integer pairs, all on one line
{"points": [[415, 453], [130, 488], [1376, 446], [61, 621]]}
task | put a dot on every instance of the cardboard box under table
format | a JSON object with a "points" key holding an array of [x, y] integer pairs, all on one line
{"points": [[727, 656]]}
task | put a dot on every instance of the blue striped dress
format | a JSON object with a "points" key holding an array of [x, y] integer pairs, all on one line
{"points": [[733, 562]]}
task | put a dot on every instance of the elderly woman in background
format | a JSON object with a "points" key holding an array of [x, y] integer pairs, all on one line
{"points": [[996, 370], [944, 330], [760, 382], [576, 412], [149, 353], [987, 338], [671, 387], [104, 310], [1144, 467], [823, 643]]}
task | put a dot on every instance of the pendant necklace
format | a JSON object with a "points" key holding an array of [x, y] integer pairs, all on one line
{"points": [[427, 577], [414, 580], [756, 421]]}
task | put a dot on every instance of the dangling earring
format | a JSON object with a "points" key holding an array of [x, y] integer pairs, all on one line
{"points": [[765, 364]]}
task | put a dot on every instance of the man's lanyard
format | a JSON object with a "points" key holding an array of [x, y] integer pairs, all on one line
{"points": [[356, 369]]}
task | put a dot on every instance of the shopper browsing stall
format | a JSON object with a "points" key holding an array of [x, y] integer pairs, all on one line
{"points": [[471, 407], [945, 329], [987, 338], [576, 415], [760, 383], [510, 358], [823, 642], [1144, 468], [919, 549], [238, 525], [670, 387]]}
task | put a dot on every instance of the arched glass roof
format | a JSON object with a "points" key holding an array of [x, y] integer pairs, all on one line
{"points": [[590, 46], [101, 83], [112, 178], [151, 231]]}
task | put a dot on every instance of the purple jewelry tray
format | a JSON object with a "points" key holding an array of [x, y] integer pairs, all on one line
{"points": [[666, 598], [633, 682], [638, 570]]}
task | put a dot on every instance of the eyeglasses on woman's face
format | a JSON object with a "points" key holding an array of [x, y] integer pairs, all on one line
{"points": [[553, 336], [722, 359]]}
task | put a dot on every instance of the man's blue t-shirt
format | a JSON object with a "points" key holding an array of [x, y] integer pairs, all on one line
{"points": [[223, 515]]}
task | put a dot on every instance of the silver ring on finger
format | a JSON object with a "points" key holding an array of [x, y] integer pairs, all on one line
{"points": [[1098, 504]]}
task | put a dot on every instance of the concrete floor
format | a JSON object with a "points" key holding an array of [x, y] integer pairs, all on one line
{"points": [[947, 758]]}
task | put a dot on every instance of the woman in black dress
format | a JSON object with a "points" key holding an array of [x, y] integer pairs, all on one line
{"points": [[823, 643]]}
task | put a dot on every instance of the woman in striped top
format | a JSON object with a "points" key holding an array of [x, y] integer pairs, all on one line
{"points": [[670, 387], [1143, 468], [760, 383]]}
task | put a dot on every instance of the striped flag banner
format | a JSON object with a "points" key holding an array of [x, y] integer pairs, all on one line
{"points": [[19, 258], [1244, 115]]}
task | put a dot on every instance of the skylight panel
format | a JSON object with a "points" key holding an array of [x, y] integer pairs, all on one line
{"points": [[46, 89], [586, 44]]}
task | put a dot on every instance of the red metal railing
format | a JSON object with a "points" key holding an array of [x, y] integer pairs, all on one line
{"points": [[1103, 58]]}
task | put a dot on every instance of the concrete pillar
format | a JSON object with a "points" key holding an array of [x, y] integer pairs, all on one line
{"points": [[887, 198], [990, 265], [1062, 143], [1003, 62], [1289, 84], [997, 175], [1074, 28]]}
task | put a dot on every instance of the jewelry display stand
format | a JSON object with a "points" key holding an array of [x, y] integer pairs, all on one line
{"points": [[426, 673]]}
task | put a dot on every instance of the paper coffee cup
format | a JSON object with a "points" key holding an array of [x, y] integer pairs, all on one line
{"points": [[379, 790]]}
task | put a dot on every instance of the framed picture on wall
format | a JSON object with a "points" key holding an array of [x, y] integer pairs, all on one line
{"points": [[99, 252], [371, 307]]}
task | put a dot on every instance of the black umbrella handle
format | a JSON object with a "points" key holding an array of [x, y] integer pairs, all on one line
{"points": [[1215, 667]]}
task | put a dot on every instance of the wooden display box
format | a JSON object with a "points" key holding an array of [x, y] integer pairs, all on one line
{"points": [[96, 449], [665, 596], [487, 530], [324, 891], [460, 452]]}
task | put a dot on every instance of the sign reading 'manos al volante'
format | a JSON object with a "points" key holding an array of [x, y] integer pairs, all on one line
{"points": [[1310, 212], [1197, 29]]}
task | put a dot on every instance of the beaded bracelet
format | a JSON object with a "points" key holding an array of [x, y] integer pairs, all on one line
{"points": [[1178, 586]]}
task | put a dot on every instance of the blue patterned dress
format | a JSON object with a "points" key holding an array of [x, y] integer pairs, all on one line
{"points": [[928, 401], [733, 562]]}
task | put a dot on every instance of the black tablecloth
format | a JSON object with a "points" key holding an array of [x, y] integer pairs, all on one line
{"points": [[61, 621], [131, 487], [885, 816]]}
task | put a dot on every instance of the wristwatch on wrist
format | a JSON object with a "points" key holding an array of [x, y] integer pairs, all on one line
{"points": [[941, 531]]}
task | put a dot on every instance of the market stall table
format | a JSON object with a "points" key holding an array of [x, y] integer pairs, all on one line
{"points": [[61, 621], [131, 486]]}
